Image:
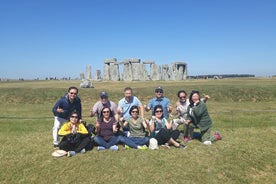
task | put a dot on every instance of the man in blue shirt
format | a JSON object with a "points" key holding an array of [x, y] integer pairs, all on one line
{"points": [[124, 106], [159, 99]]}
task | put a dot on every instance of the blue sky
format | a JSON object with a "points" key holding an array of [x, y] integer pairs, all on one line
{"points": [[59, 38]]}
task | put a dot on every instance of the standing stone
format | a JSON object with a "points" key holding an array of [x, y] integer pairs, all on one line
{"points": [[127, 71], [111, 70], [148, 73], [135, 69], [143, 72], [98, 76], [88, 72], [165, 72], [86, 79], [155, 72], [81, 76], [179, 70]]}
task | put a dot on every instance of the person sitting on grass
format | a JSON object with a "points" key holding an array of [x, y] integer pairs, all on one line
{"points": [[181, 107], [63, 108], [106, 129], [198, 117], [161, 130], [137, 138], [75, 136]]}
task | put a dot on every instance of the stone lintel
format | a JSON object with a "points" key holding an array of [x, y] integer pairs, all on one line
{"points": [[111, 60], [148, 62], [179, 63], [132, 60]]}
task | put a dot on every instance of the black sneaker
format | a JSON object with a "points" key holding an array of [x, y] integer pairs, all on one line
{"points": [[56, 146]]}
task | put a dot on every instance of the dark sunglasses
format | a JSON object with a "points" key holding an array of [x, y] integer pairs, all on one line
{"points": [[105, 111], [158, 91], [74, 117], [182, 97], [158, 111], [73, 93], [134, 111]]}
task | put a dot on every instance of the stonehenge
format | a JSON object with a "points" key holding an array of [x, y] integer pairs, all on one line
{"points": [[133, 69]]}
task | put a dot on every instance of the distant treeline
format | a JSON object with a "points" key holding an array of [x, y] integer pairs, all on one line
{"points": [[220, 76]]}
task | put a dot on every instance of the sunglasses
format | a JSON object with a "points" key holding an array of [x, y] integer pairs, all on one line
{"points": [[73, 93], [182, 97], [134, 111], [158, 91], [74, 117], [158, 111], [105, 111]]}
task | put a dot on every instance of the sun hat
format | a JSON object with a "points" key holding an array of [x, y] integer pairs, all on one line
{"points": [[153, 144], [59, 153]]}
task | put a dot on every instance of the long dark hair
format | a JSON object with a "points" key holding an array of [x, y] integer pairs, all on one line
{"points": [[190, 98]]}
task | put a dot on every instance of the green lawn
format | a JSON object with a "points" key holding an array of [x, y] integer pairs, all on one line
{"points": [[243, 110]]}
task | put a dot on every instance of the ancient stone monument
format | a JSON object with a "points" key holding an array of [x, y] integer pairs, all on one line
{"points": [[111, 70], [135, 70], [98, 75], [86, 78]]}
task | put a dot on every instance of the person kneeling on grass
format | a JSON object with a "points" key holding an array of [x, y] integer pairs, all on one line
{"points": [[161, 129], [106, 129], [198, 117], [75, 136], [137, 138]]}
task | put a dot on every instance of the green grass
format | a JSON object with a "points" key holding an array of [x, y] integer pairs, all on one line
{"points": [[243, 110]]}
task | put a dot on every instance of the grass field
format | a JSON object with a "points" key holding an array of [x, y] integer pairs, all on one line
{"points": [[243, 110]]}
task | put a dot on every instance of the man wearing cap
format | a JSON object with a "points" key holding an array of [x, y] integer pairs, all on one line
{"points": [[159, 99], [104, 102]]}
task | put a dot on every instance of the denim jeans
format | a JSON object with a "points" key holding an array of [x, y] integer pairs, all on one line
{"points": [[107, 144], [133, 142]]}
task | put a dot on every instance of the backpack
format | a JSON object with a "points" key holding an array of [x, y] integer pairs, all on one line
{"points": [[91, 130]]}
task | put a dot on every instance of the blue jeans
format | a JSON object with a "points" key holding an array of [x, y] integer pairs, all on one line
{"points": [[133, 142], [107, 144]]}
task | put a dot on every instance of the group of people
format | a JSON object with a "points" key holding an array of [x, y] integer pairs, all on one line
{"points": [[126, 124]]}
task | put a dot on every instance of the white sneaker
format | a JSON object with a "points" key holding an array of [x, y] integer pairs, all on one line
{"points": [[100, 148], [82, 151], [114, 148], [207, 142]]}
